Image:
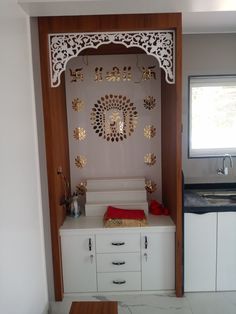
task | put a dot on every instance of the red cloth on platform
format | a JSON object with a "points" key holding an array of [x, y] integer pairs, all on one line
{"points": [[118, 213]]}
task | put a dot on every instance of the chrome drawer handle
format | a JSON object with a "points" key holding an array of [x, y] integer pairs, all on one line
{"points": [[90, 244], [118, 263], [146, 242], [119, 282], [117, 243]]}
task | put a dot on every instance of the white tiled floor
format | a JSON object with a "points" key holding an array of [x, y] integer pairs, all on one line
{"points": [[191, 303]]}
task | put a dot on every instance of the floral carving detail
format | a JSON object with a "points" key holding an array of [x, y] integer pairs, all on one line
{"points": [[150, 186], [81, 188], [80, 161], [78, 104], [159, 44], [150, 159], [149, 131], [149, 102], [79, 134]]}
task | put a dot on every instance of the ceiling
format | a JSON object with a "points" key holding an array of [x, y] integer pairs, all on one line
{"points": [[199, 16]]}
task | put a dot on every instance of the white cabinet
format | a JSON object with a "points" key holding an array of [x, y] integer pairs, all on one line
{"points": [[98, 259], [210, 252], [226, 252], [79, 263], [200, 233], [158, 261]]}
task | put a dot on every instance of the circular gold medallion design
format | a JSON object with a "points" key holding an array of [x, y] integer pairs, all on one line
{"points": [[78, 104], [114, 117], [150, 159], [80, 161], [149, 102], [79, 134], [149, 131]]}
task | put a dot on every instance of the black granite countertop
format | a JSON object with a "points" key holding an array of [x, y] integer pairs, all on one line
{"points": [[205, 198]]}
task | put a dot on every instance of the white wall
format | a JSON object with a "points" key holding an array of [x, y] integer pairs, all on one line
{"points": [[42, 153], [23, 284], [202, 55]]}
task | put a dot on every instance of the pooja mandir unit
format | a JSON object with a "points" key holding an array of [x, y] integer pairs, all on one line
{"points": [[116, 35]]}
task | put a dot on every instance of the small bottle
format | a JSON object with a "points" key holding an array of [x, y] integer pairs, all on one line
{"points": [[75, 205]]}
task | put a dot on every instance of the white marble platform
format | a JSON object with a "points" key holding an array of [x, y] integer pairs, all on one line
{"points": [[191, 303], [84, 224]]}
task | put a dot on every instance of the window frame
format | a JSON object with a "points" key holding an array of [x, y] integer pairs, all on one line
{"points": [[211, 153]]}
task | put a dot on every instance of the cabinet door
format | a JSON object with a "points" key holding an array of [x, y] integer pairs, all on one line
{"points": [[200, 252], [79, 264], [226, 253], [158, 261]]}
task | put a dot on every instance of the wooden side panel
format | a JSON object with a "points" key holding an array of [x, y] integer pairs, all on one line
{"points": [[56, 120], [56, 137], [171, 155]]}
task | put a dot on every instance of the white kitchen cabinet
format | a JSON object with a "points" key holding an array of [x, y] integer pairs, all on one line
{"points": [[79, 263], [226, 251], [116, 260], [158, 260], [200, 235]]}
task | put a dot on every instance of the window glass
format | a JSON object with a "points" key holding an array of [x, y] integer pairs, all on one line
{"points": [[212, 116]]}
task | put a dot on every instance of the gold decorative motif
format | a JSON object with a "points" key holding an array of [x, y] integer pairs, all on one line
{"points": [[149, 102], [150, 186], [80, 161], [114, 75], [78, 104], [98, 74], [81, 188], [150, 159], [77, 75], [79, 134], [117, 75], [148, 73], [114, 117], [149, 131], [126, 74]]}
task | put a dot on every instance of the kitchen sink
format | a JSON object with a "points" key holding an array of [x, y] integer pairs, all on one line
{"points": [[218, 193], [226, 196]]}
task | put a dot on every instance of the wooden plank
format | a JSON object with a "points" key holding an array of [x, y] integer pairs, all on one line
{"points": [[57, 153], [94, 307], [172, 154]]}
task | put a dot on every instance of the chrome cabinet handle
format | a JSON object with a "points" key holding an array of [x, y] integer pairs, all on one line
{"points": [[91, 258], [90, 244], [119, 282], [117, 243], [145, 242], [145, 256], [118, 263]]}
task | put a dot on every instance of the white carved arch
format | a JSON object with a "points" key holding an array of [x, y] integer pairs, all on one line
{"points": [[159, 44]]}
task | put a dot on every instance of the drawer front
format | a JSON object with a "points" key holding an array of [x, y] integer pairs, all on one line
{"points": [[115, 243], [118, 262], [122, 281]]}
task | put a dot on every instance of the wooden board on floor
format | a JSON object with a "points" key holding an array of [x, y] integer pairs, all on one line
{"points": [[94, 307]]}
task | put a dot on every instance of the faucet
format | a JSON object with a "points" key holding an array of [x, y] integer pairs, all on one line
{"points": [[224, 170]]}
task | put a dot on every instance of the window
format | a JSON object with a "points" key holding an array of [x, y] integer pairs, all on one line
{"points": [[212, 115]]}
